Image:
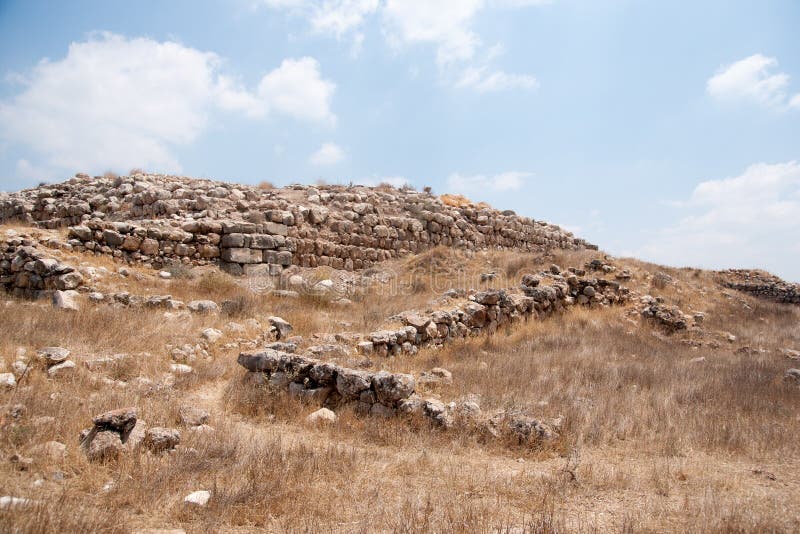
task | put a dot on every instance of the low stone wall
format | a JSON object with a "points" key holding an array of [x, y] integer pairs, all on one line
{"points": [[761, 284], [488, 310], [27, 271], [383, 394], [328, 384]]}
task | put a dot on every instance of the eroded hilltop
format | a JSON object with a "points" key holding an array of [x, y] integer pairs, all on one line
{"points": [[159, 219]]}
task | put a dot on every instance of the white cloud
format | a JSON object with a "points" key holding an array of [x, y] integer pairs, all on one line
{"points": [[117, 103], [795, 101], [297, 89], [447, 25], [480, 183], [341, 16], [328, 154], [752, 78], [444, 23], [484, 80], [747, 220], [520, 3]]}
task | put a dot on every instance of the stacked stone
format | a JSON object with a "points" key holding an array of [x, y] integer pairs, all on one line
{"points": [[382, 394], [670, 318], [762, 285], [488, 310], [140, 218], [257, 249], [27, 271], [328, 384], [155, 244]]}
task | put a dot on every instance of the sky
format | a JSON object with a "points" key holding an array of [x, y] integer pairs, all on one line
{"points": [[668, 131]]}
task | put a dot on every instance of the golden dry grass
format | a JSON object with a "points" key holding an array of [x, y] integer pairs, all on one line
{"points": [[651, 441]]}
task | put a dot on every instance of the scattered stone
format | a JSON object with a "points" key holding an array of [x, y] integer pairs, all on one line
{"points": [[7, 380], [52, 355], [661, 280], [181, 369], [104, 446], [322, 416], [212, 335], [792, 375], [198, 498], [392, 387], [193, 416], [121, 420], [8, 502], [21, 463], [54, 451], [437, 375], [61, 369], [65, 300], [203, 306], [281, 327], [159, 439]]}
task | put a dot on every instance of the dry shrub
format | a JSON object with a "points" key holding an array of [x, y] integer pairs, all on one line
{"points": [[455, 201], [136, 170], [63, 513], [218, 284], [110, 175], [179, 271], [266, 185]]}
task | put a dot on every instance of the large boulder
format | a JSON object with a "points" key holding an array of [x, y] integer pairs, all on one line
{"points": [[350, 383], [281, 327], [121, 421], [391, 388], [266, 360]]}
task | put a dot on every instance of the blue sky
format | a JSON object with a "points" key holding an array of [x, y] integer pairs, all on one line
{"points": [[665, 130]]}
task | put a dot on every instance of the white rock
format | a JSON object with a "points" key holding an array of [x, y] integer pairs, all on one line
{"points": [[61, 369], [65, 300], [19, 367], [8, 502], [166, 275], [53, 355], [211, 335], [7, 380], [323, 286], [198, 498], [322, 416], [180, 369]]}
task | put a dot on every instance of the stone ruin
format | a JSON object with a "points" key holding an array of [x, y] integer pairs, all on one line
{"points": [[486, 311], [161, 220], [26, 270], [381, 394], [761, 284]]}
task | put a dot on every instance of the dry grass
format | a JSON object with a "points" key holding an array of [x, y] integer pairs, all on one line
{"points": [[266, 185], [460, 201], [651, 441]]}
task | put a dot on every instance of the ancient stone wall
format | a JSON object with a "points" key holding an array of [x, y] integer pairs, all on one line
{"points": [[761, 284], [487, 311], [162, 219], [26, 270], [328, 384]]}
